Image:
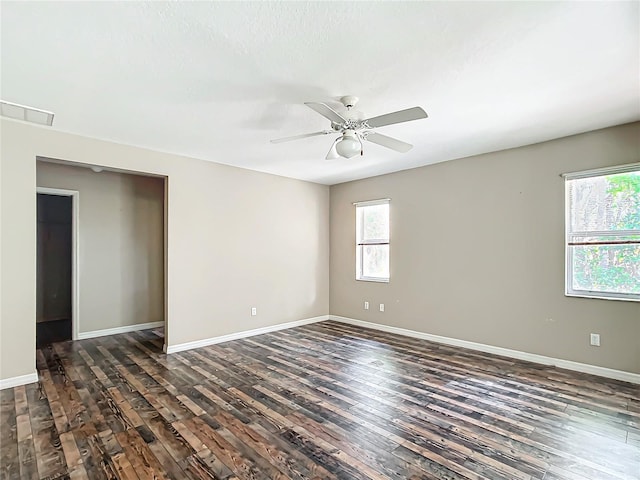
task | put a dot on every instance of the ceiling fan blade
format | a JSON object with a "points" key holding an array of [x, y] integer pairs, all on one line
{"points": [[389, 142], [400, 116], [304, 135], [333, 153], [326, 112]]}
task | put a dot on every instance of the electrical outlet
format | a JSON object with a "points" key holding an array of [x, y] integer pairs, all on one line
{"points": [[382, 307], [595, 339], [254, 311], [366, 305]]}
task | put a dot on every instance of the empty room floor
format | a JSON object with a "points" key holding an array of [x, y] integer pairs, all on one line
{"points": [[323, 401]]}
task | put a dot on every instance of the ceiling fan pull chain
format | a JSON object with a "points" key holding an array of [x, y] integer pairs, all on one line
{"points": [[361, 145]]}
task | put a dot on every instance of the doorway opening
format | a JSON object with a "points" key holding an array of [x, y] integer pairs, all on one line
{"points": [[56, 261], [119, 250]]}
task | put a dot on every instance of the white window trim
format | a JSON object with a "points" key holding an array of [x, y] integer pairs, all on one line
{"points": [[359, 276], [369, 203], [569, 291], [598, 172]]}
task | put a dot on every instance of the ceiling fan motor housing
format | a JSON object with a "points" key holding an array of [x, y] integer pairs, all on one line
{"points": [[349, 101]]}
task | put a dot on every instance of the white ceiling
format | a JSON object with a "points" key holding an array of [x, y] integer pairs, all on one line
{"points": [[217, 80]]}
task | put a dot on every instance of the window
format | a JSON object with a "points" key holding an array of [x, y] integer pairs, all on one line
{"points": [[603, 233], [372, 240]]}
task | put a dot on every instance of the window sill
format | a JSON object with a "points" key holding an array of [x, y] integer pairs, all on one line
{"points": [[374, 280], [601, 296]]}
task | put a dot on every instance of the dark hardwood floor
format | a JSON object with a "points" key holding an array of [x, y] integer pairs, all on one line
{"points": [[324, 401]]}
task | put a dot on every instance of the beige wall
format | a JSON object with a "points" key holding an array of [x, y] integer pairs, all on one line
{"points": [[477, 252], [121, 244], [236, 239]]}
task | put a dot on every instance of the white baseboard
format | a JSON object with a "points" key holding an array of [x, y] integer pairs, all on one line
{"points": [[247, 333], [506, 352], [117, 330], [20, 380]]}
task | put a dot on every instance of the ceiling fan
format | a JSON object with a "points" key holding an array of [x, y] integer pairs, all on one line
{"points": [[354, 129]]}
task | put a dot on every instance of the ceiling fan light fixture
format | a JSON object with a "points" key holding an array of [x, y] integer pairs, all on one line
{"points": [[348, 146]]}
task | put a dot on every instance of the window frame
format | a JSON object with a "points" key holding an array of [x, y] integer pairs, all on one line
{"points": [[361, 243], [568, 281]]}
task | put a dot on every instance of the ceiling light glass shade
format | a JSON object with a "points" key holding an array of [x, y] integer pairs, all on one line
{"points": [[348, 147]]}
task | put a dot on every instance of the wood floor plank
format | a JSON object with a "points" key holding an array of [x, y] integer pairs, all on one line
{"points": [[9, 456], [26, 447], [72, 455], [326, 401], [141, 458], [48, 449], [232, 459]]}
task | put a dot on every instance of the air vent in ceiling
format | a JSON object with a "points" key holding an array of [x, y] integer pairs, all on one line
{"points": [[26, 114]]}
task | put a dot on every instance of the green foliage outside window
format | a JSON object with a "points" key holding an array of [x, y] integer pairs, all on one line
{"points": [[612, 206]]}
